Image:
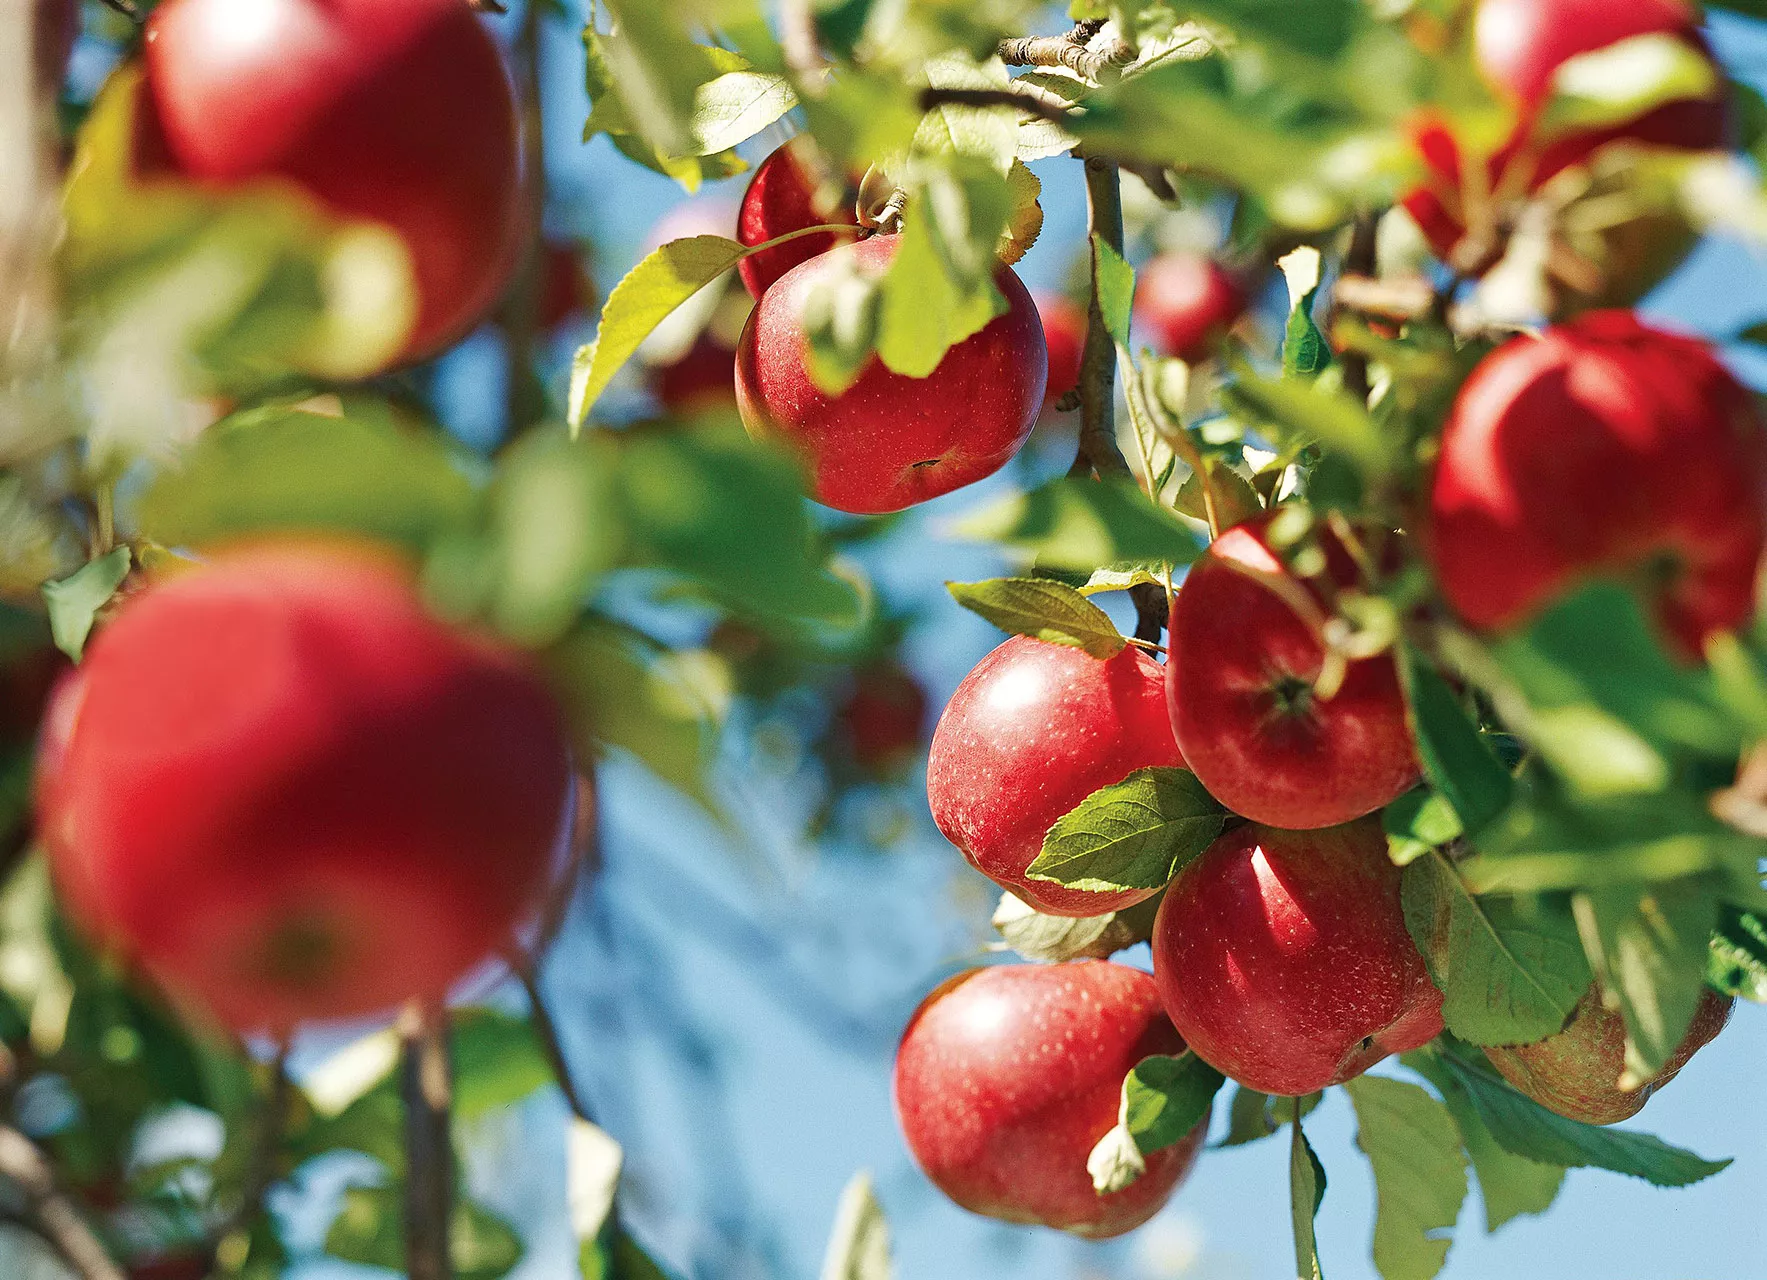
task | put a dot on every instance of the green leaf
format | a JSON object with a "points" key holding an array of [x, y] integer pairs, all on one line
{"points": [[1623, 81], [370, 1231], [1135, 834], [1300, 412], [1319, 28], [859, 1244], [1054, 939], [1305, 352], [1306, 1192], [1525, 1128], [1511, 972], [74, 602], [1510, 1185], [1164, 1098], [498, 1061], [638, 304], [1650, 946], [1456, 759], [305, 469], [1114, 280], [1417, 823], [1044, 609], [1737, 964], [1083, 525], [1419, 1174], [1252, 1116]]}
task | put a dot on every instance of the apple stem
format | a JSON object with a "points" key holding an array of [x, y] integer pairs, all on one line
{"points": [[426, 1085]]}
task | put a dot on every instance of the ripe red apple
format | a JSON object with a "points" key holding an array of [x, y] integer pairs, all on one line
{"points": [[782, 198], [55, 27], [1187, 302], [703, 378], [889, 441], [1283, 958], [566, 290], [286, 792], [1029, 734], [391, 111], [173, 1266], [1064, 331], [1602, 447], [883, 716], [1519, 45], [1241, 679], [1008, 1077], [1576, 1072]]}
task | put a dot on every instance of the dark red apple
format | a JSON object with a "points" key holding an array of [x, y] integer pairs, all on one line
{"points": [[1064, 331], [56, 25], [1283, 958], [1187, 302], [1241, 675], [566, 290], [1029, 734], [782, 198], [1576, 1072], [883, 716], [703, 378], [397, 112], [173, 1266], [1519, 45], [1008, 1077], [286, 792], [1602, 447], [889, 441]]}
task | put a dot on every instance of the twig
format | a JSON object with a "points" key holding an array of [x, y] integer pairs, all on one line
{"points": [[1153, 608], [526, 970], [1066, 51], [426, 1084], [49, 1212], [1404, 298], [521, 310], [1361, 261], [1098, 453], [1028, 98]]}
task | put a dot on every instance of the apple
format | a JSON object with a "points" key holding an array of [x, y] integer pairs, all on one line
{"points": [[1007, 1077], [173, 1266], [1064, 330], [1241, 679], [704, 377], [1576, 1072], [56, 25], [1187, 302], [1028, 735], [1603, 447], [1283, 958], [397, 112], [888, 441], [782, 198], [566, 289], [1518, 46], [883, 716], [286, 793]]}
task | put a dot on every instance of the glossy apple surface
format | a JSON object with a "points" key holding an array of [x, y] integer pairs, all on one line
{"points": [[390, 111], [1032, 731], [1576, 1072], [286, 792], [1241, 674], [1283, 958], [782, 198], [888, 442], [1007, 1077], [1186, 302], [1602, 448]]}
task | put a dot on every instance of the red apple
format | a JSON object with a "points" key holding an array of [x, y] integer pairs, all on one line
{"points": [[1008, 1077], [1576, 1072], [883, 717], [1187, 302], [566, 290], [782, 198], [703, 378], [390, 111], [1602, 447], [889, 441], [1064, 330], [286, 792], [56, 25], [1519, 45], [173, 1266], [1029, 734], [1283, 958], [1241, 679]]}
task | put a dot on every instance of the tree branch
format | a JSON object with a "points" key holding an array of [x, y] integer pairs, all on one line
{"points": [[521, 310], [1067, 51], [1360, 261], [426, 1084], [49, 1212], [1028, 98], [1403, 298], [1099, 454]]}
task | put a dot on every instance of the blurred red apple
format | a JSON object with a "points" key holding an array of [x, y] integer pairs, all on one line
{"points": [[1064, 330], [1187, 302]]}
